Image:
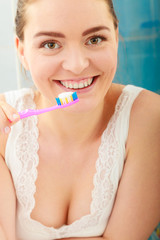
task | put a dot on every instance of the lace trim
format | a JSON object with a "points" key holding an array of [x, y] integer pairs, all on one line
{"points": [[104, 190], [104, 185], [26, 151]]}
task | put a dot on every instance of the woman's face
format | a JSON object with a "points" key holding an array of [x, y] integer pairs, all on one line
{"points": [[70, 45]]}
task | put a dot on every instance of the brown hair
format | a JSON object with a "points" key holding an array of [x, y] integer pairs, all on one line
{"points": [[113, 13], [20, 19]]}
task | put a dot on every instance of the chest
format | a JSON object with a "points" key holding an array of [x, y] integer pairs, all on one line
{"points": [[64, 184]]}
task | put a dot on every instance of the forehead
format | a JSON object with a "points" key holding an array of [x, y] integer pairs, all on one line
{"points": [[75, 14]]}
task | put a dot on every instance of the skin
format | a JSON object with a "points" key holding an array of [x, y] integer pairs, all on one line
{"points": [[7, 203], [74, 59]]}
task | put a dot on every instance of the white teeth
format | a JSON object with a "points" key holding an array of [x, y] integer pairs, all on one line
{"points": [[81, 85], [90, 81], [85, 84], [70, 85], [77, 85]]}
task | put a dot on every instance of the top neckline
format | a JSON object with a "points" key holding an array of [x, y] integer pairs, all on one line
{"points": [[92, 204]]}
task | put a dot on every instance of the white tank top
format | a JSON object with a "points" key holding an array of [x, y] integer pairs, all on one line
{"points": [[22, 160]]}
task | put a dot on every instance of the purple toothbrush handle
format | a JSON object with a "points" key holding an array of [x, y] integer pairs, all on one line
{"points": [[31, 112], [27, 113]]}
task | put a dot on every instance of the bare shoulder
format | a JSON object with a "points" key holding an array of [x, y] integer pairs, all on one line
{"points": [[147, 100], [145, 118], [143, 144]]}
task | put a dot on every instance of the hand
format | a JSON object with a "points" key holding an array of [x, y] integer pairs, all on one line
{"points": [[8, 117]]}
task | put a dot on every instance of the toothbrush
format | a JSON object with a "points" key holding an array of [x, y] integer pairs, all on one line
{"points": [[65, 99]]}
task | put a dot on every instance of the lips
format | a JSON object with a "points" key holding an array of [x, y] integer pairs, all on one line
{"points": [[78, 85]]}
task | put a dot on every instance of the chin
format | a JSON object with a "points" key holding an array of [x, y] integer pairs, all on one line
{"points": [[84, 106]]}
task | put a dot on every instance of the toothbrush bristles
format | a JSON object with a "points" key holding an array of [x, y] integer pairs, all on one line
{"points": [[66, 97]]}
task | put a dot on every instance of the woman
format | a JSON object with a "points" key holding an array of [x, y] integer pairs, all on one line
{"points": [[90, 170]]}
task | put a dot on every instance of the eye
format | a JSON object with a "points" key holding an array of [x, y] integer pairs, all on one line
{"points": [[96, 40], [50, 45]]}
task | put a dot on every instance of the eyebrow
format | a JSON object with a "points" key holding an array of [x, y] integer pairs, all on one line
{"points": [[50, 34], [95, 29], [61, 35]]}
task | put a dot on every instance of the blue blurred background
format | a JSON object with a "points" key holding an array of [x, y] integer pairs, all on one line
{"points": [[139, 48]]}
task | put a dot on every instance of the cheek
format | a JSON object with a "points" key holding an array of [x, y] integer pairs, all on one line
{"points": [[106, 62], [42, 68]]}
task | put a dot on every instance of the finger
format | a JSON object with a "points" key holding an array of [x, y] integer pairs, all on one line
{"points": [[11, 113], [4, 123]]}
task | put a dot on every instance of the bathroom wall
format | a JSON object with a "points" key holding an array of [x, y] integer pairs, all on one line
{"points": [[139, 48], [11, 76], [8, 78]]}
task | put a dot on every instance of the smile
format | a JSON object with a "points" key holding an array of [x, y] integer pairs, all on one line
{"points": [[71, 84]]}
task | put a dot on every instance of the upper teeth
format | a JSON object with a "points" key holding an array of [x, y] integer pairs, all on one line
{"points": [[76, 85]]}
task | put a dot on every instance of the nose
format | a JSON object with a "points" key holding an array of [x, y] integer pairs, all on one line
{"points": [[75, 61]]}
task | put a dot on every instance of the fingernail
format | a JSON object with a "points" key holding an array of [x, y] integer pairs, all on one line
{"points": [[7, 130]]}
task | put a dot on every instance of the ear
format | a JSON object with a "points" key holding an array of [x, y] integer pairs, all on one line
{"points": [[117, 35], [116, 31], [20, 50]]}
